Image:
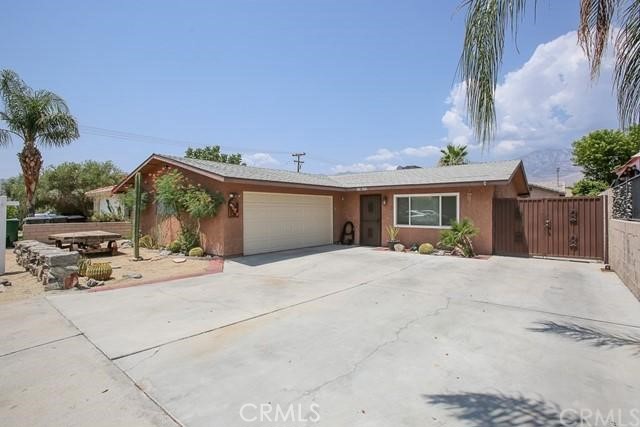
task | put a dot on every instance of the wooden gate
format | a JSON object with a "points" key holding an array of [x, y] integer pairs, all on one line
{"points": [[571, 227]]}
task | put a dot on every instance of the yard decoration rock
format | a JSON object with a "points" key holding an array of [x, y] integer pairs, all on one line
{"points": [[71, 281], [398, 247], [132, 275], [179, 260], [92, 283]]}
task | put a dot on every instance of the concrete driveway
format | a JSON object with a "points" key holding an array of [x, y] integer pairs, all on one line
{"points": [[341, 337]]}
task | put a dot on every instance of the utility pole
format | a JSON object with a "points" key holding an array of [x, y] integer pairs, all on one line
{"points": [[558, 178], [298, 162]]}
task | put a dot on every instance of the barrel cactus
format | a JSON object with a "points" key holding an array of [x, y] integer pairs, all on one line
{"points": [[82, 266], [197, 252], [99, 271], [425, 248]]}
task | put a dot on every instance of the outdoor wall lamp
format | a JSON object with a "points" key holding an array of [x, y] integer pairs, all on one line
{"points": [[384, 200], [233, 195]]}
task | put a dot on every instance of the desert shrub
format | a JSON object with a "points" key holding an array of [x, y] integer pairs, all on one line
{"points": [[425, 248], [188, 239], [147, 241], [197, 251], [177, 197], [174, 246], [458, 237]]}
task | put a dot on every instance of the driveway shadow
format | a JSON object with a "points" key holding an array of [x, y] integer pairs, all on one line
{"points": [[501, 410], [593, 336], [268, 258]]}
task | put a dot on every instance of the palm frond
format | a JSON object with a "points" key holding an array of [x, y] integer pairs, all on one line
{"points": [[5, 137], [627, 68], [596, 17], [57, 129], [486, 24]]}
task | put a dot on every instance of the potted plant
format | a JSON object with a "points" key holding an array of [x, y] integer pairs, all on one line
{"points": [[392, 232]]}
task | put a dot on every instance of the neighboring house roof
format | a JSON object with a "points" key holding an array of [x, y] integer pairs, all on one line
{"points": [[549, 187], [633, 161], [494, 172], [101, 190]]}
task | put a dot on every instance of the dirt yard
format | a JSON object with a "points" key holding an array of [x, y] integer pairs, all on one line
{"points": [[153, 268]]}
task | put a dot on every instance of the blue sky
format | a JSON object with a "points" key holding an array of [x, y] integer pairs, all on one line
{"points": [[358, 85]]}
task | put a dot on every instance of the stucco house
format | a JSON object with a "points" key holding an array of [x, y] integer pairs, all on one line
{"points": [[544, 190], [104, 201], [270, 210]]}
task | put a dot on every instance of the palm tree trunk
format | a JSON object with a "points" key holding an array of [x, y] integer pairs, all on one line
{"points": [[31, 163]]}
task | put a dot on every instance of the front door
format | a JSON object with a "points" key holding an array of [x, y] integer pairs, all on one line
{"points": [[370, 216]]}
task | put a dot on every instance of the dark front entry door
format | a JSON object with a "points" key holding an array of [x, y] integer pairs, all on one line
{"points": [[370, 214]]}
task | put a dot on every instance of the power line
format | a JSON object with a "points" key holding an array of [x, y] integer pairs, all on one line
{"points": [[150, 139], [134, 137]]}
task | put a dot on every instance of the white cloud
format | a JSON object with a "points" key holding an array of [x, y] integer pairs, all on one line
{"points": [[549, 102], [260, 159], [424, 151], [381, 155]]}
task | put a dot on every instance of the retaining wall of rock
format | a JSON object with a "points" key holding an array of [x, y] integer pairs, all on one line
{"points": [[55, 268]]}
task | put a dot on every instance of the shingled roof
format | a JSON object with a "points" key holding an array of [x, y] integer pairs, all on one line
{"points": [[492, 172]]}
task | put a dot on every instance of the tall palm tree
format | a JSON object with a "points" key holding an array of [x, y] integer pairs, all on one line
{"points": [[453, 155], [487, 22], [38, 118]]}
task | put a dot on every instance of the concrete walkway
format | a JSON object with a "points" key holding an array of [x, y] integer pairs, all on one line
{"points": [[356, 336]]}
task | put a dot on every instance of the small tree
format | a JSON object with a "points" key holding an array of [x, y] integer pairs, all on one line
{"points": [[39, 118], [601, 151], [176, 197], [588, 187], [212, 153]]}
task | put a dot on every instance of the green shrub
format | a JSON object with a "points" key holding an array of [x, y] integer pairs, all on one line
{"points": [[188, 240], [425, 248], [198, 252], [174, 246], [146, 241], [458, 237]]}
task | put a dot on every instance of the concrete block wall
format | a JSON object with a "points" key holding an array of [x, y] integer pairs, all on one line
{"points": [[624, 252], [41, 232]]}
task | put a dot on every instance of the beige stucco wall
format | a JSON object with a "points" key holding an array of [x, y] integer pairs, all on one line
{"points": [[41, 232], [624, 252]]}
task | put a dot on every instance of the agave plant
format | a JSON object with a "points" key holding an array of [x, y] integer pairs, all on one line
{"points": [[458, 237]]}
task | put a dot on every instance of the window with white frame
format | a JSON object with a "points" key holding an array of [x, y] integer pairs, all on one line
{"points": [[426, 210]]}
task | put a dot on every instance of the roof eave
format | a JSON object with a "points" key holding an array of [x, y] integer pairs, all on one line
{"points": [[118, 188]]}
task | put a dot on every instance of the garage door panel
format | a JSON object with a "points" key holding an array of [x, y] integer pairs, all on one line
{"points": [[277, 221]]}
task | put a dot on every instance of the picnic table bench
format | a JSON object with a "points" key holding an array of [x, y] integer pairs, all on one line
{"points": [[87, 242]]}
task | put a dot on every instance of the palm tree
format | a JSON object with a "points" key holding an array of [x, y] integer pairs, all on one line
{"points": [[37, 117], [487, 22], [453, 155]]}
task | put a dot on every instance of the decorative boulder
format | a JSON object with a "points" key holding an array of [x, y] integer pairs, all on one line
{"points": [[398, 247]]}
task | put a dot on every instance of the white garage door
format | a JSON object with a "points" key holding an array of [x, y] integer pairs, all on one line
{"points": [[276, 221]]}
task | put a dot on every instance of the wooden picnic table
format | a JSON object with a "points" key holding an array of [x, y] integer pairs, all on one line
{"points": [[87, 242]]}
